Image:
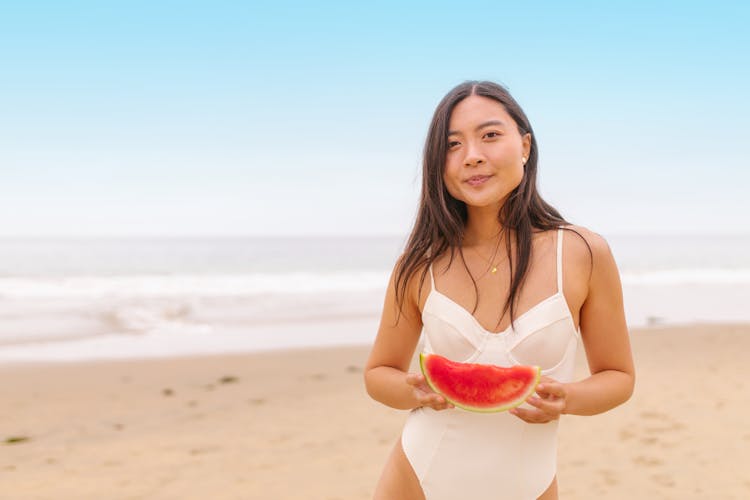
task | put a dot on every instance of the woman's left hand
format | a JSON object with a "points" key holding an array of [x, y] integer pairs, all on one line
{"points": [[549, 403]]}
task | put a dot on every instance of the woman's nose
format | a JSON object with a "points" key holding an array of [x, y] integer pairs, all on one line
{"points": [[473, 157], [473, 161]]}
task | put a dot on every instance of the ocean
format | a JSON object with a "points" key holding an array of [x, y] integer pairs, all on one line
{"points": [[86, 298]]}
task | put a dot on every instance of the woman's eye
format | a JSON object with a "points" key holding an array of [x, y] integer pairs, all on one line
{"points": [[492, 135], [452, 144]]}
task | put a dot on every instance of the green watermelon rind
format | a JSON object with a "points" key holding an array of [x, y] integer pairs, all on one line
{"points": [[495, 409]]}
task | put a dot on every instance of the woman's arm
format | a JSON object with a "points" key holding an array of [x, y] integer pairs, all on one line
{"points": [[386, 377], [605, 339], [607, 344]]}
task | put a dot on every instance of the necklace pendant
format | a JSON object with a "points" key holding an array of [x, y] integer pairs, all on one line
{"points": [[494, 270]]}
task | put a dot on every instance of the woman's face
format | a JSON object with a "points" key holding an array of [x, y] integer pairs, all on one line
{"points": [[486, 152]]}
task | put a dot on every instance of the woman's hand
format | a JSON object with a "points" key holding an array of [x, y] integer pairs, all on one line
{"points": [[424, 395], [549, 405]]}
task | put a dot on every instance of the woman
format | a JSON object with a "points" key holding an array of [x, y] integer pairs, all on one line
{"points": [[493, 274]]}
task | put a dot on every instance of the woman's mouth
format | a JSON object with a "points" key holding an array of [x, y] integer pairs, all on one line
{"points": [[477, 180]]}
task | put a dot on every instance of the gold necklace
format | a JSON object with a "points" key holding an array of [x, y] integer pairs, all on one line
{"points": [[492, 267]]}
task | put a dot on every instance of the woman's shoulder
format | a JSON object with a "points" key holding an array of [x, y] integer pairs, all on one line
{"points": [[586, 239], [412, 278], [587, 251]]}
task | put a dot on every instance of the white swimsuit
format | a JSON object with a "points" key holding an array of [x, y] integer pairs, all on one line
{"points": [[458, 454]]}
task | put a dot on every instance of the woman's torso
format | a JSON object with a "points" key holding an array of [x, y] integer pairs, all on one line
{"points": [[455, 452]]}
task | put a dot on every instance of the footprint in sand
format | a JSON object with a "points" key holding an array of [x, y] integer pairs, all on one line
{"points": [[657, 433], [655, 440], [664, 429], [609, 476], [654, 434], [647, 461], [626, 434], [649, 440], [669, 423], [653, 415], [663, 480], [204, 450]]}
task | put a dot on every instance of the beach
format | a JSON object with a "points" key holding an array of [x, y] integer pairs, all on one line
{"points": [[298, 424]]}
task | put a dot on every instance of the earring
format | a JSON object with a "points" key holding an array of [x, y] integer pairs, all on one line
{"points": [[524, 160]]}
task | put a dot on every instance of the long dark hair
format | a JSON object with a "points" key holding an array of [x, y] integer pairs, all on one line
{"points": [[441, 219]]}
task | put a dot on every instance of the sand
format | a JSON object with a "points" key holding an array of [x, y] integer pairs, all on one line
{"points": [[298, 424]]}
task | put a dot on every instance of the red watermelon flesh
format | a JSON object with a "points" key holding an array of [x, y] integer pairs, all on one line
{"points": [[479, 387]]}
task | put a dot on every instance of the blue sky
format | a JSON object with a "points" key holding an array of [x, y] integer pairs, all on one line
{"points": [[208, 118]]}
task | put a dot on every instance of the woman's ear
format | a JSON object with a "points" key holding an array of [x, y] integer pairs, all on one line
{"points": [[526, 145]]}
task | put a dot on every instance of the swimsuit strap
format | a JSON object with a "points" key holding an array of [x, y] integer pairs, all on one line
{"points": [[559, 260], [432, 279]]}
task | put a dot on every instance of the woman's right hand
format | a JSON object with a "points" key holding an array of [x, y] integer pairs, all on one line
{"points": [[424, 395]]}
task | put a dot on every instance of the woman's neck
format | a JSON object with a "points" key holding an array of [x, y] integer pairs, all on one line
{"points": [[483, 230], [483, 227]]}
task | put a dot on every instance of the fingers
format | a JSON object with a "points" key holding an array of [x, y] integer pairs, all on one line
{"points": [[425, 395], [532, 416], [550, 406], [436, 402], [432, 399], [551, 389], [545, 410]]}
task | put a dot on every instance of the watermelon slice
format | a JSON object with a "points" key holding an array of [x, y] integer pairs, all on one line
{"points": [[478, 387]]}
